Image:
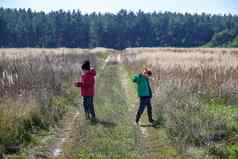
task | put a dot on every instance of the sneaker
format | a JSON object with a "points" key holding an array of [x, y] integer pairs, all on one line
{"points": [[152, 121]]}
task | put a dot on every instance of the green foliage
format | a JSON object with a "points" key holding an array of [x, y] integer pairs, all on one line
{"points": [[12, 122], [19, 121], [160, 120], [26, 28], [217, 151], [225, 113], [83, 154], [3, 30], [232, 151], [234, 43], [222, 38]]}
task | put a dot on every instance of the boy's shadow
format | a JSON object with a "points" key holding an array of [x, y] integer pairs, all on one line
{"points": [[155, 125], [107, 124], [146, 125]]}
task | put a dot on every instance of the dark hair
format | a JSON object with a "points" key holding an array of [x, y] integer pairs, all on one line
{"points": [[86, 65], [149, 73]]}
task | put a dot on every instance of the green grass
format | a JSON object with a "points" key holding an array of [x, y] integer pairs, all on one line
{"points": [[158, 140], [113, 137], [102, 55], [228, 114], [31, 125]]}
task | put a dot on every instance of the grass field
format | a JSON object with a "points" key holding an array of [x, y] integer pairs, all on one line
{"points": [[195, 104], [196, 96]]}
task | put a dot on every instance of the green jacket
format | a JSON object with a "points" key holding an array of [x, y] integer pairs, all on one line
{"points": [[143, 85]]}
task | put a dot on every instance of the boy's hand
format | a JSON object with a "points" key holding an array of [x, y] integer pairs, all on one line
{"points": [[77, 84]]}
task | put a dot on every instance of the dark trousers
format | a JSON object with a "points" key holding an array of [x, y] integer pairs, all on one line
{"points": [[89, 106], [144, 101]]}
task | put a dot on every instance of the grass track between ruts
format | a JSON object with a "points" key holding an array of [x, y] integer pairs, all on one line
{"points": [[153, 141], [113, 137]]}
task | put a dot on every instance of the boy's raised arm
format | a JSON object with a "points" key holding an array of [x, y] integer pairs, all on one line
{"points": [[135, 78], [78, 84]]}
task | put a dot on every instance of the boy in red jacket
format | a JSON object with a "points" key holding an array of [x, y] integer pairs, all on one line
{"points": [[87, 84]]}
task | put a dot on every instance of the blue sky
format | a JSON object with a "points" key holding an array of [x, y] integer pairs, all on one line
{"points": [[87, 6]]}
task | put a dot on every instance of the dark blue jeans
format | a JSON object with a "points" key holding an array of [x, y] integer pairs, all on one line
{"points": [[89, 106], [144, 102]]}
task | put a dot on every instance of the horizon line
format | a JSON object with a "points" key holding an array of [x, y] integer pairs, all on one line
{"points": [[122, 9]]}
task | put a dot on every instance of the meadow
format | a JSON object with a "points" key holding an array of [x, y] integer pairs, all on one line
{"points": [[35, 91], [196, 97], [195, 102]]}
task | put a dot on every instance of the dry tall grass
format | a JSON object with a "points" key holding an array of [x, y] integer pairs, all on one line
{"points": [[14, 53], [35, 89], [209, 68], [190, 80]]}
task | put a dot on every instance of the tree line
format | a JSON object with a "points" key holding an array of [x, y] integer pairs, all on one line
{"points": [[27, 28]]}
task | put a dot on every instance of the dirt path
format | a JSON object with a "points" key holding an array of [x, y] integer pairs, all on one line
{"points": [[116, 135], [67, 134], [113, 136], [50, 146], [153, 142], [62, 136]]}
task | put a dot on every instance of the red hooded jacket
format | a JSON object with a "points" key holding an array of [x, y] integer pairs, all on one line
{"points": [[87, 83]]}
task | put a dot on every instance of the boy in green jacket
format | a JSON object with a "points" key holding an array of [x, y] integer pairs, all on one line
{"points": [[145, 94]]}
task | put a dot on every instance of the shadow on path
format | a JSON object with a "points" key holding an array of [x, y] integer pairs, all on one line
{"points": [[107, 124], [154, 125]]}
